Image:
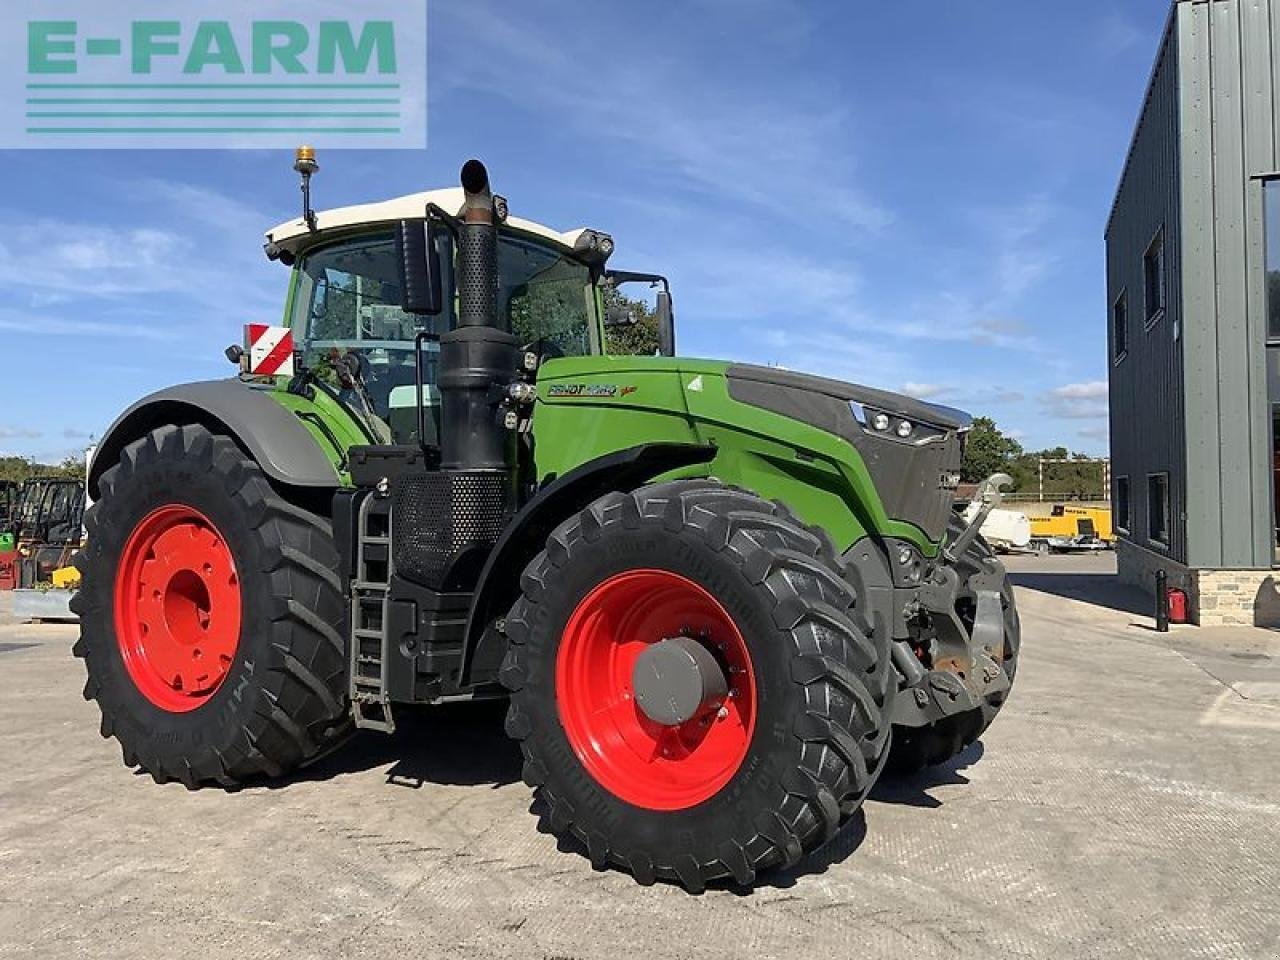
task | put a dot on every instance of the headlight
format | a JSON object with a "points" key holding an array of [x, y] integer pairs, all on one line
{"points": [[896, 427]]}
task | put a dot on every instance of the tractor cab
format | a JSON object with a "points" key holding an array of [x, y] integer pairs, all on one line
{"points": [[51, 515], [348, 298]]}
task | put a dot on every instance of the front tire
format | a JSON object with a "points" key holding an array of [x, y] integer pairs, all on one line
{"points": [[210, 611], [729, 793]]}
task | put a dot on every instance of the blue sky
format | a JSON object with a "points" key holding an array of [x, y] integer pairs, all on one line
{"points": [[909, 195]]}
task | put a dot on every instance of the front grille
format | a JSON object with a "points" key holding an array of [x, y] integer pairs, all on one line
{"points": [[443, 525], [943, 469]]}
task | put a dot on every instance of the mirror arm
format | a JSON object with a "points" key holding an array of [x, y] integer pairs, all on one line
{"points": [[627, 276], [419, 376], [438, 214]]}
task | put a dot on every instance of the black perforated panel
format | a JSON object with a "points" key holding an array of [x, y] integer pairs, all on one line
{"points": [[477, 276], [437, 519]]}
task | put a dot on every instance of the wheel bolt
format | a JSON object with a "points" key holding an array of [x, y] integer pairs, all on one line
{"points": [[722, 713]]}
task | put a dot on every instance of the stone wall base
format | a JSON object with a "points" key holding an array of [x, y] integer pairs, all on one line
{"points": [[1244, 598]]}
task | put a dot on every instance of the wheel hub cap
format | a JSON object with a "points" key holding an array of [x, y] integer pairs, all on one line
{"points": [[177, 608], [643, 659], [677, 679]]}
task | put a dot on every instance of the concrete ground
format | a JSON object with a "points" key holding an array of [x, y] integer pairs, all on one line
{"points": [[1124, 805]]}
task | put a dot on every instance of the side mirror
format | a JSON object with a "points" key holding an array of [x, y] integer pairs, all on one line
{"points": [[666, 325], [619, 316], [419, 266]]}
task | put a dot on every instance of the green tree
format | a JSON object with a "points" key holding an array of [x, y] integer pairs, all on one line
{"points": [[553, 310], [987, 451], [636, 339], [20, 468], [1078, 478]]}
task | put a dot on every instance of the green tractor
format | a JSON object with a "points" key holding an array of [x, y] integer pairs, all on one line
{"points": [[721, 599]]}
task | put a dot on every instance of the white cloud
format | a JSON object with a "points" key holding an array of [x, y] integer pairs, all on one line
{"points": [[1091, 390], [93, 261], [1117, 34], [39, 324], [998, 395], [1078, 401], [19, 433], [787, 155], [927, 391]]}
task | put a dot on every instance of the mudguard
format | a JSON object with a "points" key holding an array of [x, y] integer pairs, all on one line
{"points": [[526, 534], [272, 435]]}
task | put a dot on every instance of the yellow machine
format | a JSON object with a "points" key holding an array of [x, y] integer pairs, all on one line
{"points": [[66, 578], [1072, 522]]}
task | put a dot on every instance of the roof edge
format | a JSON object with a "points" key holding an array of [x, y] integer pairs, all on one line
{"points": [[1166, 36]]}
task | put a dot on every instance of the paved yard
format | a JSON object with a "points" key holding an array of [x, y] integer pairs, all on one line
{"points": [[1125, 805]]}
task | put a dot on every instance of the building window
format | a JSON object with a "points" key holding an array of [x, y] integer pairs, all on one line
{"points": [[1120, 327], [1122, 504], [1273, 259], [1158, 508], [1153, 278]]}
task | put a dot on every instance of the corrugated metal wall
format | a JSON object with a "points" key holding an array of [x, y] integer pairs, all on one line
{"points": [[1228, 127], [1147, 434]]}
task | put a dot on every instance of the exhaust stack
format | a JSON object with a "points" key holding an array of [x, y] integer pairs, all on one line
{"points": [[477, 251]]}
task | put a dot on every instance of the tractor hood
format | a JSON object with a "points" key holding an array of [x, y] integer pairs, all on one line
{"points": [[911, 449], [908, 408]]}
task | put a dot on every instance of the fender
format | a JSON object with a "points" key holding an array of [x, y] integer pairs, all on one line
{"points": [[526, 534], [270, 434]]}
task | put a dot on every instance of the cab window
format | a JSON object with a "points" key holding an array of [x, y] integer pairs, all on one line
{"points": [[348, 301]]}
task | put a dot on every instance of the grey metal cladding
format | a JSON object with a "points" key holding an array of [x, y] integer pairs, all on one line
{"points": [[1228, 128], [1146, 413], [1225, 140], [908, 476], [1197, 407], [272, 435]]}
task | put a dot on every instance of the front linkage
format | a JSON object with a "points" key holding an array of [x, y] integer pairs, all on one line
{"points": [[953, 661]]}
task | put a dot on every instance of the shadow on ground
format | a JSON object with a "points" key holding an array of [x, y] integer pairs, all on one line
{"points": [[459, 744], [912, 790], [1099, 589], [841, 847]]}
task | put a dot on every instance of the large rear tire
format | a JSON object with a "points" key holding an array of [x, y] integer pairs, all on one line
{"points": [[754, 785], [915, 748], [211, 613]]}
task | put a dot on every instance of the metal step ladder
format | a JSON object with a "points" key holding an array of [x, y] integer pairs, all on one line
{"points": [[370, 707]]}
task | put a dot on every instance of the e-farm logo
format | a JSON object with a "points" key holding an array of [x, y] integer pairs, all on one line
{"points": [[215, 75]]}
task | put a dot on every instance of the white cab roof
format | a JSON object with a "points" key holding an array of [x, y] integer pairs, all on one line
{"points": [[293, 235]]}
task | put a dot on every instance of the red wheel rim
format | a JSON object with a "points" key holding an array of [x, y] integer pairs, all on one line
{"points": [[177, 608], [636, 759]]}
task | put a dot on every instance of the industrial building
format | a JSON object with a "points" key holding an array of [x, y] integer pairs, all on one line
{"points": [[1193, 287]]}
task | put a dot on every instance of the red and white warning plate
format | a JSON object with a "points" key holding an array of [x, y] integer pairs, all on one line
{"points": [[270, 350]]}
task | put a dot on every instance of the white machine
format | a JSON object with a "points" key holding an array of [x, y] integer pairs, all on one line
{"points": [[1003, 529]]}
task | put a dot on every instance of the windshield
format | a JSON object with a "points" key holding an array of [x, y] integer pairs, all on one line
{"points": [[547, 298], [347, 301]]}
